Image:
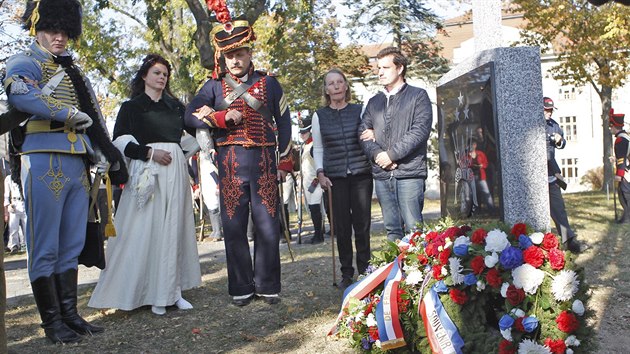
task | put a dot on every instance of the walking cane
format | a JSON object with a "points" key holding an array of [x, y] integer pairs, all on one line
{"points": [[287, 236], [332, 235]]}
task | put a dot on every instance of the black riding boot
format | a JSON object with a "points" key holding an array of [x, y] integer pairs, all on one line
{"points": [[316, 216], [48, 305], [67, 290]]}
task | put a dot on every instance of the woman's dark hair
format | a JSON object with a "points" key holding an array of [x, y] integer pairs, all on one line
{"points": [[137, 83]]}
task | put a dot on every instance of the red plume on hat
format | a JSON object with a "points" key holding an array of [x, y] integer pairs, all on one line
{"points": [[220, 9], [616, 119]]}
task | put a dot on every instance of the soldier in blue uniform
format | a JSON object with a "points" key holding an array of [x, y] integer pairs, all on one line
{"points": [[622, 141], [555, 140], [65, 129], [245, 109]]}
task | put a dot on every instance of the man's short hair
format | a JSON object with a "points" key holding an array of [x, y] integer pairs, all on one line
{"points": [[398, 58]]}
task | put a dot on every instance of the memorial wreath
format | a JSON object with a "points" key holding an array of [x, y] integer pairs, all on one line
{"points": [[462, 290]]}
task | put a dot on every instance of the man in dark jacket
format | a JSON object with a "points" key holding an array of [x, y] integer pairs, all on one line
{"points": [[622, 141], [555, 140], [394, 133]]}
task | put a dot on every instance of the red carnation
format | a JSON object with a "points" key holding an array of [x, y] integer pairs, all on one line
{"points": [[494, 278], [534, 256], [550, 241], [518, 324], [567, 322], [478, 265], [515, 295], [437, 272], [431, 236], [452, 233], [507, 347], [556, 259], [443, 258], [458, 296], [556, 346], [519, 229], [431, 250], [479, 236], [423, 259]]}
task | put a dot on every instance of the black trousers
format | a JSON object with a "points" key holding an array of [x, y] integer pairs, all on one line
{"points": [[352, 207], [559, 213], [623, 191], [249, 175]]}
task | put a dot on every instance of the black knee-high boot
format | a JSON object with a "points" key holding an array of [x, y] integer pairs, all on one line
{"points": [[48, 305], [66, 283], [316, 216]]}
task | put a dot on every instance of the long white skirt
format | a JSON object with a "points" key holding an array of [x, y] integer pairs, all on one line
{"points": [[154, 255]]}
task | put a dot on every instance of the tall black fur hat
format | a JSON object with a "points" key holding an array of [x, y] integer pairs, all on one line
{"points": [[54, 15]]}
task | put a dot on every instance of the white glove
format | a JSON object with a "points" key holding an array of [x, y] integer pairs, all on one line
{"points": [[79, 121], [101, 164]]}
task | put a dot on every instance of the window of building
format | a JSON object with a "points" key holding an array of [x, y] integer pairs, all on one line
{"points": [[569, 168], [567, 93], [569, 126]]}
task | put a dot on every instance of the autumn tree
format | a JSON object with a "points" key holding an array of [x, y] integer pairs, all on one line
{"points": [[591, 44], [298, 42], [412, 27]]}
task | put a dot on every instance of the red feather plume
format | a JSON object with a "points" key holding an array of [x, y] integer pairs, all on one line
{"points": [[220, 9]]}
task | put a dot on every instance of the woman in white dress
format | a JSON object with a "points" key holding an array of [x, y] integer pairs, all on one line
{"points": [[154, 255]]}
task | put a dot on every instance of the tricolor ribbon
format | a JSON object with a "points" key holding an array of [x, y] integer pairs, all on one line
{"points": [[362, 289], [441, 331]]}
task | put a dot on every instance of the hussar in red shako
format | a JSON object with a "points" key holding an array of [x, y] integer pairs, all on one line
{"points": [[64, 135], [245, 109]]}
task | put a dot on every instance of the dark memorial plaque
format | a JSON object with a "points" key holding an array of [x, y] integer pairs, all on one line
{"points": [[470, 171]]}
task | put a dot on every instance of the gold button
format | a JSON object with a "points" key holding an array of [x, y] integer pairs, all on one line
{"points": [[72, 137]]}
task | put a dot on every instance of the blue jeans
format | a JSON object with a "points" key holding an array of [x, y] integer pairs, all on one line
{"points": [[401, 203]]}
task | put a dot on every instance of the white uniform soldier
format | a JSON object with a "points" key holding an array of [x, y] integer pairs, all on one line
{"points": [[310, 183], [14, 215]]}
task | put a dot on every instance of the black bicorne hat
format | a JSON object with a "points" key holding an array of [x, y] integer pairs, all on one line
{"points": [[54, 15], [305, 125]]}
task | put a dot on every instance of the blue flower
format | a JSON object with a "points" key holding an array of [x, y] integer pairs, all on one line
{"points": [[506, 322], [524, 242], [530, 324], [470, 279], [365, 343], [511, 257], [440, 287], [460, 250]]}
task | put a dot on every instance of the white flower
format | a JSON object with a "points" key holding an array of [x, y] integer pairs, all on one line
{"points": [[537, 237], [572, 341], [491, 260], [480, 285], [517, 312], [504, 288], [444, 271], [528, 278], [414, 277], [456, 270], [370, 320], [568, 351], [359, 317], [564, 285], [447, 243], [507, 334], [496, 241], [528, 346], [578, 307], [462, 240], [377, 343]]}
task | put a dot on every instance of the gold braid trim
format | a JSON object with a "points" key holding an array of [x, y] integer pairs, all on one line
{"points": [[34, 18]]}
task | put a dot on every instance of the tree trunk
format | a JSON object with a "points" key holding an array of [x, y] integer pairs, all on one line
{"points": [[605, 95]]}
